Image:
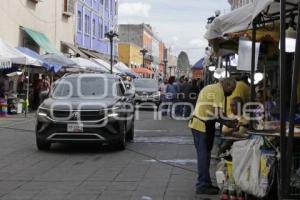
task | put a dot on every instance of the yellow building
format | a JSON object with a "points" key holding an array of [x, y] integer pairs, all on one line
{"points": [[130, 55]]}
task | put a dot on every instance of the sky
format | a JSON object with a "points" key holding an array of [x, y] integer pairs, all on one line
{"points": [[179, 23]]}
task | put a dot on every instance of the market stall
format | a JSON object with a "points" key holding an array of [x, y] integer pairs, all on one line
{"points": [[88, 65], [107, 66], [255, 16], [122, 67]]}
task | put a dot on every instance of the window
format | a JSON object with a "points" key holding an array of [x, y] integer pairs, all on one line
{"points": [[87, 24], [106, 29], [100, 30], [79, 21], [111, 6], [106, 4], [94, 27], [101, 2], [69, 6]]}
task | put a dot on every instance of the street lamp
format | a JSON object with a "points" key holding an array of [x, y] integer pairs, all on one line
{"points": [[111, 35], [166, 65], [170, 68], [144, 52]]}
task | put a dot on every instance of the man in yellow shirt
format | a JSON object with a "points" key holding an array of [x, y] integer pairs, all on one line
{"points": [[242, 90], [207, 112]]}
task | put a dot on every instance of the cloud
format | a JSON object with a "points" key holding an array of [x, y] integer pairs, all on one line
{"points": [[198, 43], [174, 38], [137, 9]]}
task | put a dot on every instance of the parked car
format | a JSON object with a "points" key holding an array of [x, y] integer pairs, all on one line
{"points": [[147, 90], [86, 108]]}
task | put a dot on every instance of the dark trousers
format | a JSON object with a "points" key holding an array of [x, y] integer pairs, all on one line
{"points": [[204, 143]]}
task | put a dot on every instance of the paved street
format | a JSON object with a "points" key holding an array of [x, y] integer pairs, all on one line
{"points": [[159, 164]]}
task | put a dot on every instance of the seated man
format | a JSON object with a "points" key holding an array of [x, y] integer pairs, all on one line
{"points": [[236, 106]]}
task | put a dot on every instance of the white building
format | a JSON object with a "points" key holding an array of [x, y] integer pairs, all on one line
{"points": [[31, 23], [238, 3]]}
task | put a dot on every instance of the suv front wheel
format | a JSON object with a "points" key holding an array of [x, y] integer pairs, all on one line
{"points": [[42, 145], [121, 144]]}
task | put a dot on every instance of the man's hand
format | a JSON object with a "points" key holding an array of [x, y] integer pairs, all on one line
{"points": [[231, 123]]}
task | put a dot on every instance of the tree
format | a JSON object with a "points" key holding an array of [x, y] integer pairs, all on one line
{"points": [[183, 62]]}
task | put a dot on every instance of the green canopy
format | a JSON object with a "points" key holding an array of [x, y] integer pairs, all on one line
{"points": [[42, 40]]}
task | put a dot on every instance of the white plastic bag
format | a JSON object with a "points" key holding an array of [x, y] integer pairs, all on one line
{"points": [[246, 157]]}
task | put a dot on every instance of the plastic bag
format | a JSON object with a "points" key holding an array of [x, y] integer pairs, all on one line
{"points": [[246, 157]]}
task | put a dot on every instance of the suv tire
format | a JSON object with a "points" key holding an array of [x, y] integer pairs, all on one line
{"points": [[42, 145], [130, 133], [121, 144]]}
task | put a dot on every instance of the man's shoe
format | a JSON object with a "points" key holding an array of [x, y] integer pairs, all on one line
{"points": [[208, 190]]}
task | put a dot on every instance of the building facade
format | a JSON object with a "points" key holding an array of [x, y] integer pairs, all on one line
{"points": [[130, 55], [53, 19], [238, 3], [94, 18], [143, 36]]}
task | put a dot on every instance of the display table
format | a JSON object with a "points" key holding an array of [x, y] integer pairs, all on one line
{"points": [[268, 133]]}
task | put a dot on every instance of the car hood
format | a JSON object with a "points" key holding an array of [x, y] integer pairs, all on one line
{"points": [[79, 103], [146, 89]]}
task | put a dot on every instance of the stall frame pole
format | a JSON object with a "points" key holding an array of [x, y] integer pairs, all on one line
{"points": [[27, 92], [283, 190], [293, 102], [253, 67]]}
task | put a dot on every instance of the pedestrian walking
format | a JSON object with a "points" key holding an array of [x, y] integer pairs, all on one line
{"points": [[163, 99], [171, 94], [179, 97], [207, 112], [185, 91]]}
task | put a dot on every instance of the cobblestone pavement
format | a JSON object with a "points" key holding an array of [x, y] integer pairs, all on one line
{"points": [[159, 164]]}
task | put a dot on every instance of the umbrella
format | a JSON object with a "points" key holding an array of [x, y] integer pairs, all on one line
{"points": [[32, 58], [199, 64], [122, 67], [10, 55], [107, 66], [55, 62], [89, 65]]}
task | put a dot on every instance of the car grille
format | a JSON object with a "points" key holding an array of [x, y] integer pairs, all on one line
{"points": [[145, 93], [92, 115]]}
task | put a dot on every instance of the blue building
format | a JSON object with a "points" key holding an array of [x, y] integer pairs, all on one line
{"points": [[94, 18]]}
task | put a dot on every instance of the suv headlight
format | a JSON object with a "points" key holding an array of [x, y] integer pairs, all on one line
{"points": [[156, 94], [43, 112], [113, 111]]}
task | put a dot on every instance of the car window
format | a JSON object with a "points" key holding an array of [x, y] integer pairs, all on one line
{"points": [[86, 87], [94, 87], [146, 83]]}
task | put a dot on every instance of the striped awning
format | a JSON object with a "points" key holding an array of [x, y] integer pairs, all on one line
{"points": [[5, 63]]}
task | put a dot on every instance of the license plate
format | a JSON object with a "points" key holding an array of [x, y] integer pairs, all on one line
{"points": [[74, 128]]}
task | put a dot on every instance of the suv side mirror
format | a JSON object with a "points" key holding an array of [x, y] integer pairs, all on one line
{"points": [[129, 93]]}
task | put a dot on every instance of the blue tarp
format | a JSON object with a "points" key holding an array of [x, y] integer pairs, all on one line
{"points": [[199, 64], [52, 62], [55, 62]]}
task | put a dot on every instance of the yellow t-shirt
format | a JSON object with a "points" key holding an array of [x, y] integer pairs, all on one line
{"points": [[210, 98], [241, 90]]}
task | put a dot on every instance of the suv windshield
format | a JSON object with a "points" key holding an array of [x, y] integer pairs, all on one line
{"points": [[87, 87], [146, 84]]}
